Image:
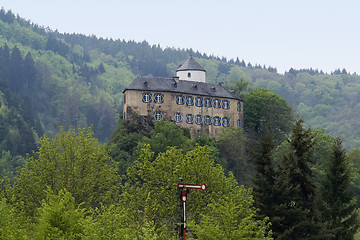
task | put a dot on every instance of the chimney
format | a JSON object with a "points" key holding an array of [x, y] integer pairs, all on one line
{"points": [[176, 79], [147, 83]]}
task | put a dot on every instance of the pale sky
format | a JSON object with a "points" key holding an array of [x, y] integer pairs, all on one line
{"points": [[322, 34]]}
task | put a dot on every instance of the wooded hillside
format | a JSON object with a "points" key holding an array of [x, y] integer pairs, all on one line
{"points": [[49, 79]]}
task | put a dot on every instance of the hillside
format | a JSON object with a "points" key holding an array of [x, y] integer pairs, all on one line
{"points": [[73, 79]]}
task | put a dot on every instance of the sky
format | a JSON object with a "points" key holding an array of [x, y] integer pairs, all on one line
{"points": [[318, 34]]}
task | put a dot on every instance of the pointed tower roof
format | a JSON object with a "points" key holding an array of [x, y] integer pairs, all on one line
{"points": [[191, 65]]}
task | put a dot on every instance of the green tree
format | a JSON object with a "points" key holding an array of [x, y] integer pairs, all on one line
{"points": [[72, 160], [59, 218], [340, 205], [231, 145], [167, 134], [295, 207], [150, 195], [124, 141], [264, 177], [13, 225], [267, 111]]}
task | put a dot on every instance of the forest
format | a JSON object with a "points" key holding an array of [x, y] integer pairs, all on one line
{"points": [[71, 168]]}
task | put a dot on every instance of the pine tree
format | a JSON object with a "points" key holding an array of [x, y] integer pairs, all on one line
{"points": [[339, 202], [264, 178], [296, 212]]}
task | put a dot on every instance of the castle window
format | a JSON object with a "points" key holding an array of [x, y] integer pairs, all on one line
{"points": [[189, 75], [158, 115], [189, 119], [180, 99], [208, 103], [217, 103], [226, 104], [159, 98], [239, 123], [198, 101], [207, 120], [217, 121], [124, 98], [239, 106], [198, 119], [189, 101], [226, 122], [146, 97], [177, 117]]}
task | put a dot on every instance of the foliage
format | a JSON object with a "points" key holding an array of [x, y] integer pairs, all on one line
{"points": [[232, 218], [73, 79], [231, 145], [72, 160], [264, 177], [13, 225], [125, 139], [340, 206], [150, 193], [266, 111], [295, 206], [167, 134], [59, 218]]}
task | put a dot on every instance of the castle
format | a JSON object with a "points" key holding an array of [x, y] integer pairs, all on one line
{"points": [[187, 100]]}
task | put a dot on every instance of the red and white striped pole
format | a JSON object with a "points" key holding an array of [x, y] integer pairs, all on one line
{"points": [[184, 198]]}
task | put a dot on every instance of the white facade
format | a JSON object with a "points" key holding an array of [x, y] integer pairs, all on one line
{"points": [[191, 75]]}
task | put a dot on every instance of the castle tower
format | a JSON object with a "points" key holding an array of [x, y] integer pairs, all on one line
{"points": [[191, 71]]}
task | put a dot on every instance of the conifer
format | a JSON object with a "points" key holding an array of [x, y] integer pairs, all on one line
{"points": [[340, 205]]}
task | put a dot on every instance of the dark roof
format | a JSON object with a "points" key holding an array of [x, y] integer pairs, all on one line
{"points": [[191, 64], [181, 86]]}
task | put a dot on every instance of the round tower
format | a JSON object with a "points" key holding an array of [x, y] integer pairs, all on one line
{"points": [[191, 70]]}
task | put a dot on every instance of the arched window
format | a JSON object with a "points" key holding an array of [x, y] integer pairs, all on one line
{"points": [[158, 115], [146, 97], [198, 101], [198, 119], [239, 106], [177, 117], [226, 122], [207, 120], [189, 100], [239, 123], [189, 119], [208, 102], [217, 103], [180, 99], [217, 121], [159, 98], [226, 104]]}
